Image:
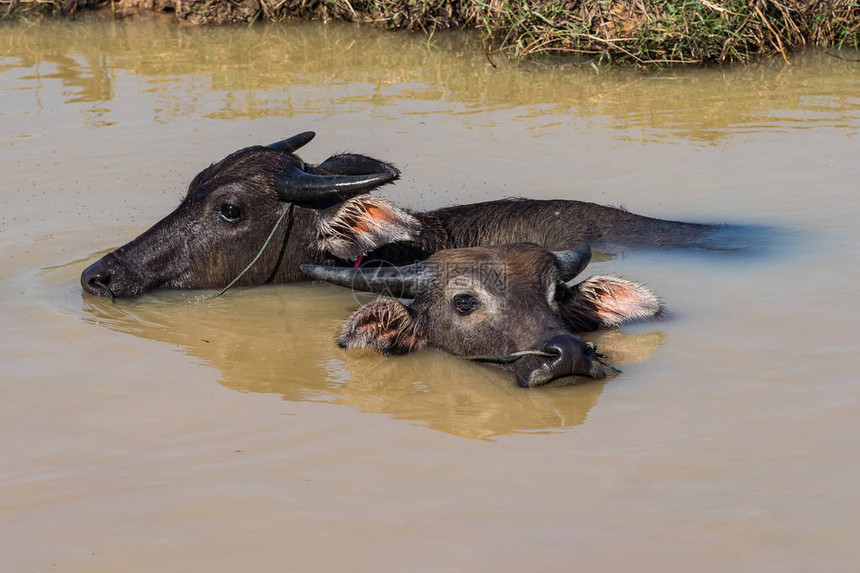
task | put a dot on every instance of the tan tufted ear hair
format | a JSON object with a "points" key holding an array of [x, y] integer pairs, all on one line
{"points": [[601, 301], [363, 224], [385, 325]]}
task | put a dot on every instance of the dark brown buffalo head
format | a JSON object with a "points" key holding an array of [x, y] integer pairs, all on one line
{"points": [[494, 302], [230, 209]]}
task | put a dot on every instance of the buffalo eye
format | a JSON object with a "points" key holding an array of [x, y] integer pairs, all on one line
{"points": [[230, 212], [465, 304]]}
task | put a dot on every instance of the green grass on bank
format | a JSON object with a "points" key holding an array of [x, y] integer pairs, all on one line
{"points": [[645, 32], [662, 31]]}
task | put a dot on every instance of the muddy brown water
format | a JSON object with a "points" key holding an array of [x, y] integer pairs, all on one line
{"points": [[175, 433]]}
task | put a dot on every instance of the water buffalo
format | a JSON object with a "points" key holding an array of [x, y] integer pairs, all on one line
{"points": [[493, 303], [232, 206]]}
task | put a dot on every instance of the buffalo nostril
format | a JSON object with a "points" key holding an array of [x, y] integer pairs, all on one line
{"points": [[572, 356], [565, 346], [96, 280], [562, 357]]}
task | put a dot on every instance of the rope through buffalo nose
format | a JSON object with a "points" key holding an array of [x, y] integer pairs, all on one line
{"points": [[610, 366], [508, 357], [599, 357], [106, 288], [513, 356]]}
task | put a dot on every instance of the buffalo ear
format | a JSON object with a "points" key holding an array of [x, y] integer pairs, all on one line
{"points": [[386, 325], [352, 164], [364, 224], [601, 301]]}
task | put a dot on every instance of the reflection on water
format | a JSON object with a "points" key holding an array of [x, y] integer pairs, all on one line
{"points": [[283, 70], [276, 344]]}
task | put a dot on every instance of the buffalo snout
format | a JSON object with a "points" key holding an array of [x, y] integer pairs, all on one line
{"points": [[96, 278], [111, 277], [563, 356]]}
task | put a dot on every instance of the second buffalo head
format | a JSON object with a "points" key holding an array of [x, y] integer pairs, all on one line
{"points": [[493, 303]]}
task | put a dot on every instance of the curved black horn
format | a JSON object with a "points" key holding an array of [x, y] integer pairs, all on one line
{"points": [[293, 143], [400, 282], [572, 262], [297, 186]]}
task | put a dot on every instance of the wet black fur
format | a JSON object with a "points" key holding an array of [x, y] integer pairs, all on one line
{"points": [[193, 247]]}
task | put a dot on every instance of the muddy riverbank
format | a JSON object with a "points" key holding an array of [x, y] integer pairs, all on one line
{"points": [[642, 32]]}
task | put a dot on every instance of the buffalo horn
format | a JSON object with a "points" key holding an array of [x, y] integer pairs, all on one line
{"points": [[399, 282], [297, 186], [293, 143], [572, 262]]}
